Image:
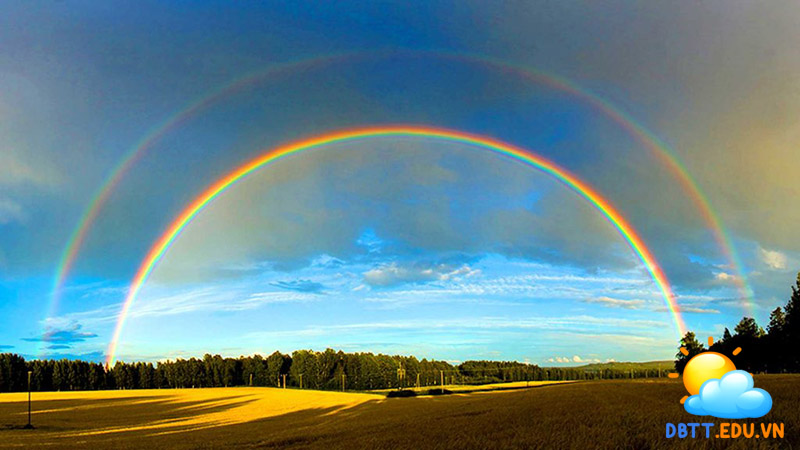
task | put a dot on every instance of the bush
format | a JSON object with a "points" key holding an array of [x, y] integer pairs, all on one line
{"points": [[438, 391], [401, 393]]}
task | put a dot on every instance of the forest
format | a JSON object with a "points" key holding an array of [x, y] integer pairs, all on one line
{"points": [[774, 350], [307, 369]]}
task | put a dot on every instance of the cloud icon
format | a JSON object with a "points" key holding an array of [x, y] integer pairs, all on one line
{"points": [[730, 397]]}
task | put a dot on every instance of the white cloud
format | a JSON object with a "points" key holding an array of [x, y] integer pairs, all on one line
{"points": [[724, 276], [690, 309], [618, 302], [393, 274], [576, 359], [772, 258]]}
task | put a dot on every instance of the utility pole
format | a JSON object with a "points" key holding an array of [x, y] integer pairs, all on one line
{"points": [[343, 375], [417, 380], [29, 425], [301, 381], [441, 375]]}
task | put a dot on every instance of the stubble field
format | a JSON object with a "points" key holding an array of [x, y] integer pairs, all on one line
{"points": [[600, 414]]}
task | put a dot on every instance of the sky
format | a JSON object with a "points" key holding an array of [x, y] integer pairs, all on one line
{"points": [[402, 245]]}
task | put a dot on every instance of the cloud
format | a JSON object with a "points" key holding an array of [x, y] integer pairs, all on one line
{"points": [[724, 276], [11, 212], [773, 259], [300, 286], [694, 309], [5, 347], [617, 302], [64, 336], [327, 262], [15, 171], [58, 347], [730, 397], [394, 274], [575, 359]]}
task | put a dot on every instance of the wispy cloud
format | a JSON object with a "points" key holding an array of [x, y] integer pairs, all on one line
{"points": [[64, 337], [574, 323], [576, 359], [300, 286], [618, 302], [207, 299], [694, 309], [394, 274], [773, 259], [58, 347]]}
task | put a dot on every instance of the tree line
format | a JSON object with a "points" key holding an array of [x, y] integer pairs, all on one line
{"points": [[774, 350], [307, 369]]}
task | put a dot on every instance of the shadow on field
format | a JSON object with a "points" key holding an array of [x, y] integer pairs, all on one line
{"points": [[606, 414], [112, 414]]}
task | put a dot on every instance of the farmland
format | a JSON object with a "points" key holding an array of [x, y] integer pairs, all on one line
{"points": [[592, 414]]}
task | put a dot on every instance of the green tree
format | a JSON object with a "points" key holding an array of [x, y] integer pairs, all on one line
{"points": [[748, 328], [791, 348], [777, 322], [693, 347], [726, 335]]}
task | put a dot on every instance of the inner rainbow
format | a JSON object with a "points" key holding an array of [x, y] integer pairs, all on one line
{"points": [[611, 214]]}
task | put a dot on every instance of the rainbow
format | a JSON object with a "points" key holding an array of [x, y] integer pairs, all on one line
{"points": [[613, 216], [100, 197], [657, 147], [665, 155]]}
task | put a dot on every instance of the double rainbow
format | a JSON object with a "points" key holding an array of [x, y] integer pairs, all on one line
{"points": [[658, 148], [158, 250]]}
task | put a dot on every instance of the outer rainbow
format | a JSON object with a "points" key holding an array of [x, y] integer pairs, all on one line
{"points": [[611, 214], [661, 150]]}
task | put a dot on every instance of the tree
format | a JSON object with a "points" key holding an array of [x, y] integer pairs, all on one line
{"points": [[726, 335], [692, 346], [748, 328], [277, 365], [777, 322], [792, 329]]}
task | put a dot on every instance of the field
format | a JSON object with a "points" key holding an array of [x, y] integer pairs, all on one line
{"points": [[598, 414], [467, 388]]}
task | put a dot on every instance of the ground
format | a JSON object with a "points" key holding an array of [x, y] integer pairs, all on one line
{"points": [[598, 414]]}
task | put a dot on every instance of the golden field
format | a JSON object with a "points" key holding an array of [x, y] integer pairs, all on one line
{"points": [[598, 414]]}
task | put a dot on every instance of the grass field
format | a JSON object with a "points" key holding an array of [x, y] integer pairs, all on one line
{"points": [[598, 414], [467, 388]]}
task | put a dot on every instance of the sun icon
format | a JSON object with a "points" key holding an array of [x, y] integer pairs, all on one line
{"points": [[703, 367]]}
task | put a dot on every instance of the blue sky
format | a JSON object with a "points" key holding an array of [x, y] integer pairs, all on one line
{"points": [[394, 245]]}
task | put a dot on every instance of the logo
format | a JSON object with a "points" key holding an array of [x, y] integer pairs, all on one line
{"points": [[718, 389]]}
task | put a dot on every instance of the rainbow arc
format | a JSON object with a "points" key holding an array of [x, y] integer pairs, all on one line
{"points": [[603, 205]]}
